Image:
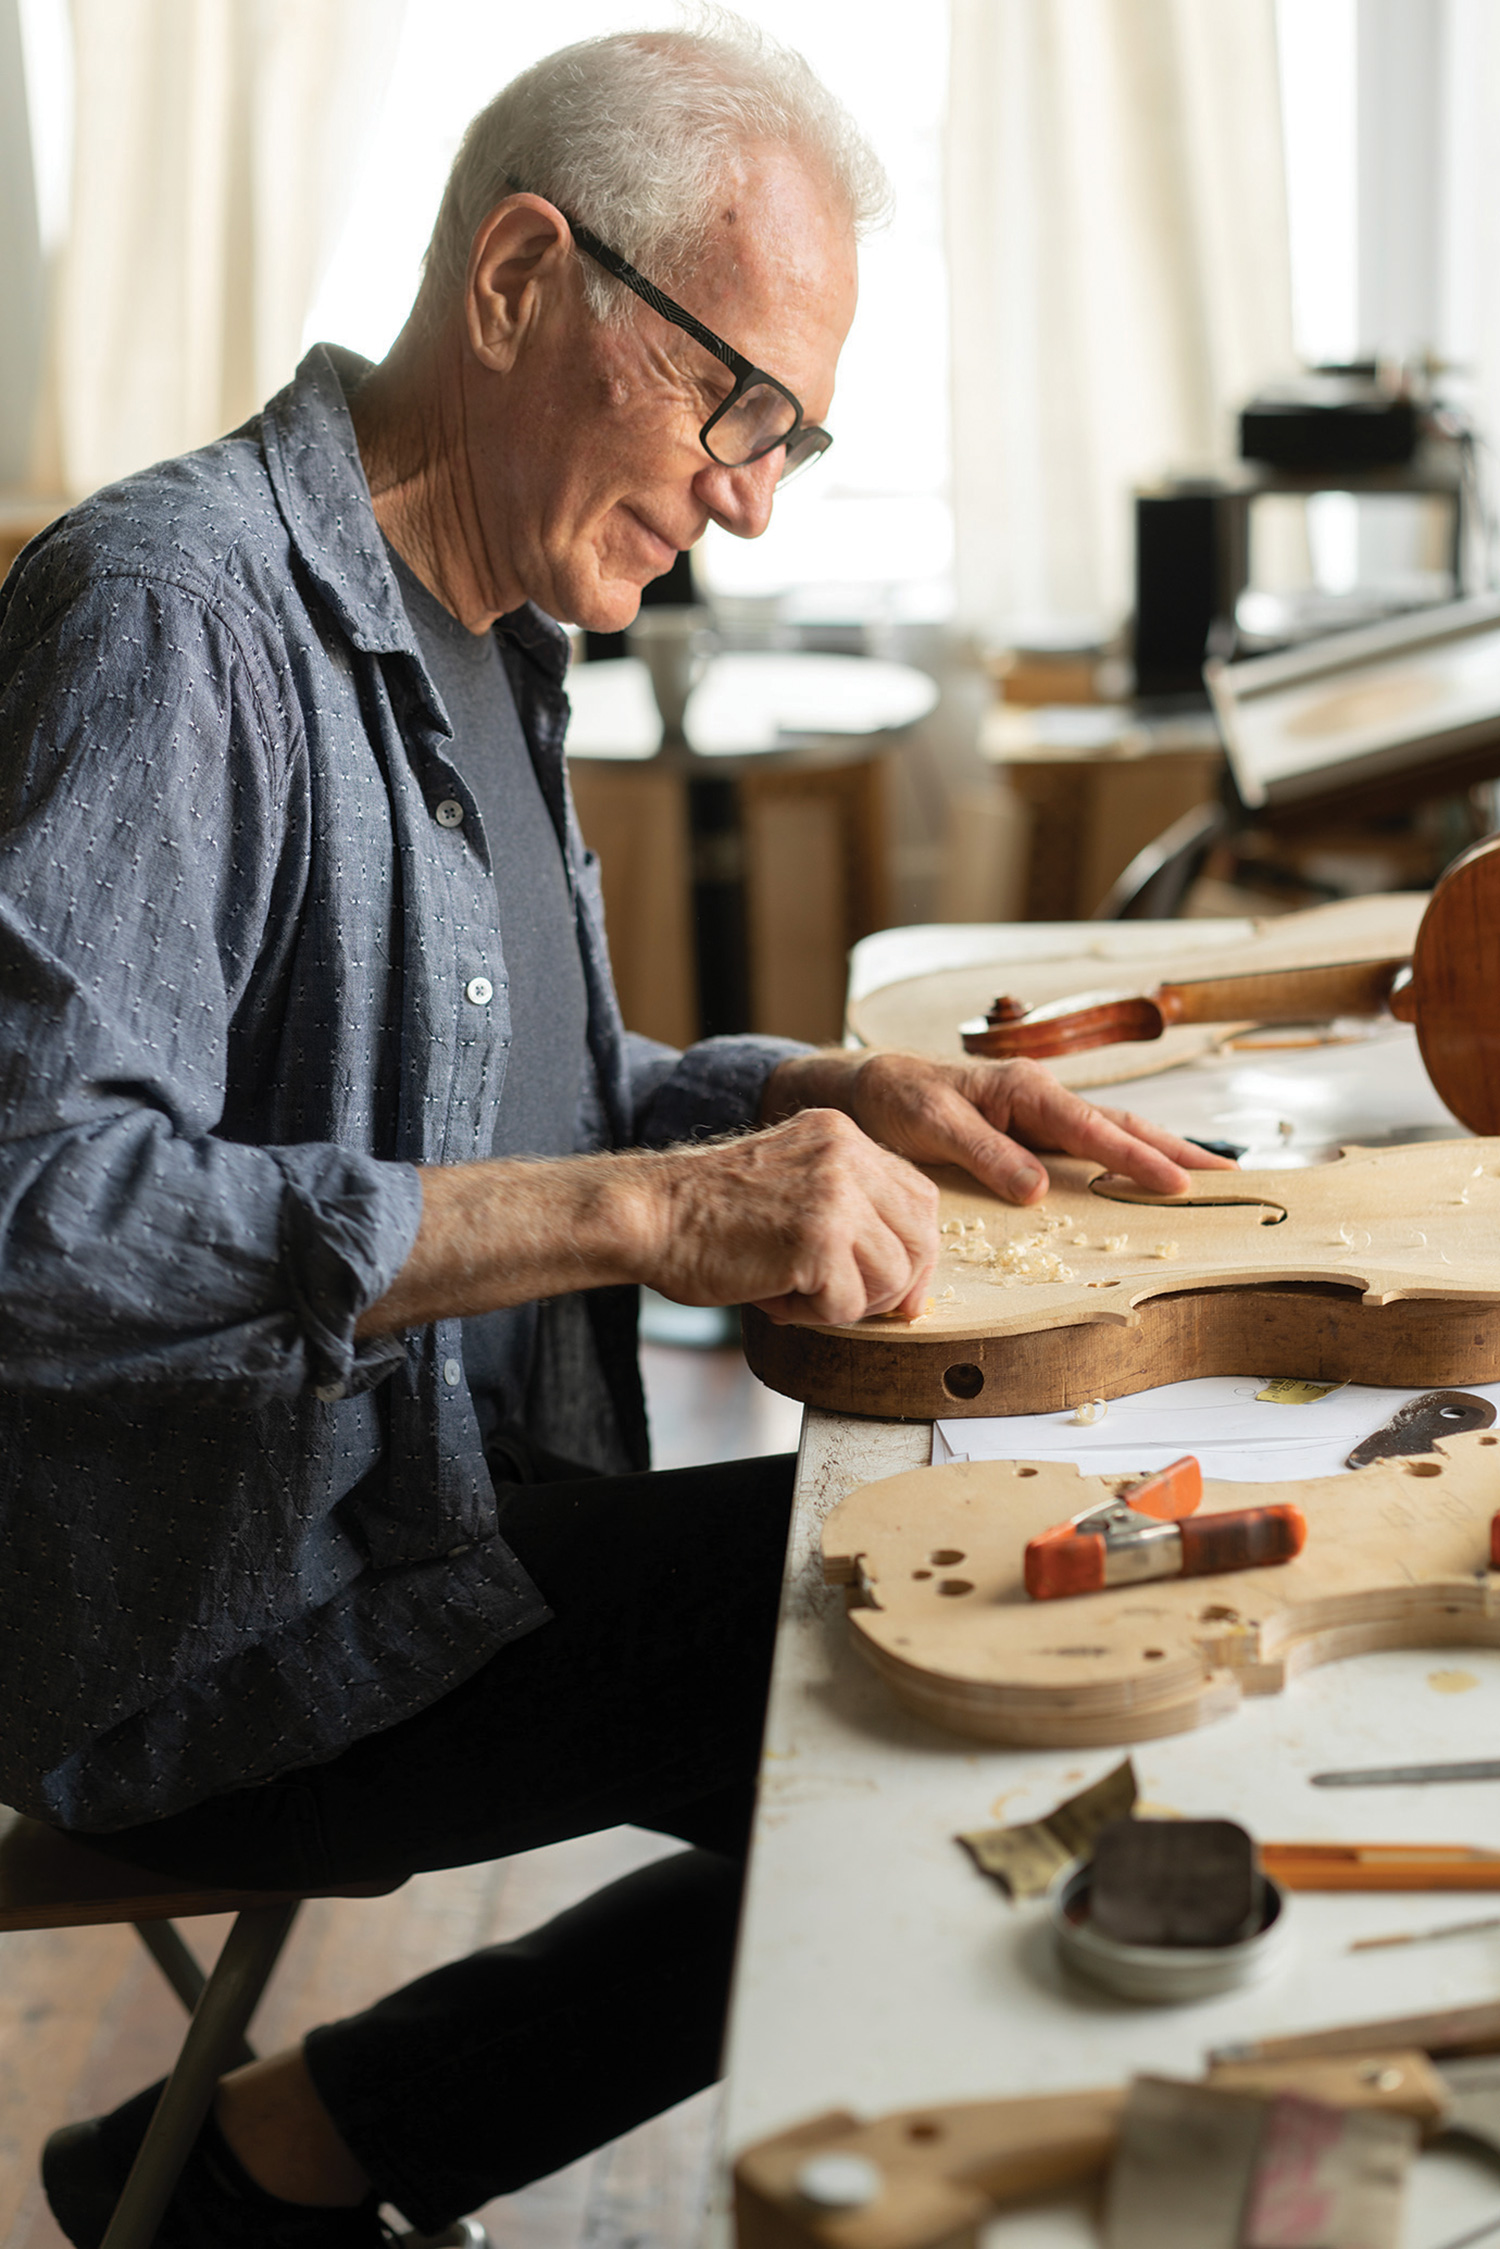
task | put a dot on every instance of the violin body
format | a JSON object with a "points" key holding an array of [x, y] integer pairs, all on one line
{"points": [[1383, 1267]]}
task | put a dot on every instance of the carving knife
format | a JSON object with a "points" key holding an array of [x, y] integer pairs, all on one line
{"points": [[1417, 1426]]}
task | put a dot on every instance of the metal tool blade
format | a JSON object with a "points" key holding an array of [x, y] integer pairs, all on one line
{"points": [[1473, 2111], [1417, 1426], [1408, 1776]]}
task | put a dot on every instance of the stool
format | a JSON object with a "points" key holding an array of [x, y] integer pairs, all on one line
{"points": [[53, 1881]]}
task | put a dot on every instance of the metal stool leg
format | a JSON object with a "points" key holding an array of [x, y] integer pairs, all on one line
{"points": [[179, 1964], [250, 1952]]}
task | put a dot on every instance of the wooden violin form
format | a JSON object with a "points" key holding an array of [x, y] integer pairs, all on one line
{"points": [[1396, 1556], [1383, 1267], [1449, 988]]}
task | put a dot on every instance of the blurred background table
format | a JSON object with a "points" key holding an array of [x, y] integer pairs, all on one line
{"points": [[741, 864]]}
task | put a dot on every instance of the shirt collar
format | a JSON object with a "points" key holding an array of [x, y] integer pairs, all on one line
{"points": [[319, 482]]}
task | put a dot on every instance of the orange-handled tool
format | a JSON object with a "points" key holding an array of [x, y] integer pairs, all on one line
{"points": [[1146, 1531]]}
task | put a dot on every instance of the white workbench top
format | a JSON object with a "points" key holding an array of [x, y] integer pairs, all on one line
{"points": [[878, 1969]]}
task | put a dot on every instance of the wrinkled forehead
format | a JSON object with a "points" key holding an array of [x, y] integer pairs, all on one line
{"points": [[779, 280]]}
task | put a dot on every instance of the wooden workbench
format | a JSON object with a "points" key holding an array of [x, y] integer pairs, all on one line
{"points": [[879, 1969]]}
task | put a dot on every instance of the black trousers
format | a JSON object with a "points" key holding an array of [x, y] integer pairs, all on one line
{"points": [[641, 1703]]}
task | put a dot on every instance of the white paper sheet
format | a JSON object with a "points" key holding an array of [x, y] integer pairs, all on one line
{"points": [[1235, 1435]]}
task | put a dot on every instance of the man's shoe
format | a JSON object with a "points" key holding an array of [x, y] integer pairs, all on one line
{"points": [[216, 2204]]}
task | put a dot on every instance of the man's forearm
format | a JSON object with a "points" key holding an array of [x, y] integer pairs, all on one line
{"points": [[812, 1217], [809, 1081], [494, 1234]]}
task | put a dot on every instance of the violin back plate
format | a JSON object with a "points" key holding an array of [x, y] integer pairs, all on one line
{"points": [[1396, 1556]]}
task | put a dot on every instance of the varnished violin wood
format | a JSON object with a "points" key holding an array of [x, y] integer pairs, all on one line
{"points": [[923, 1013], [1454, 997], [1456, 980], [1381, 1268], [1397, 1556]]}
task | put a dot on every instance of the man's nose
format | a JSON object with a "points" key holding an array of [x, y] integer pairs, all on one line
{"points": [[739, 500]]}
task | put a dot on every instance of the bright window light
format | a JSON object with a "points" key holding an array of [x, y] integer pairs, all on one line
{"points": [[1319, 92]]}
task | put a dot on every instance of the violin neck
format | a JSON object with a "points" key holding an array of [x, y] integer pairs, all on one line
{"points": [[1283, 995]]}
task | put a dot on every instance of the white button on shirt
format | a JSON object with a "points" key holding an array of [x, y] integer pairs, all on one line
{"points": [[480, 990], [453, 1372], [449, 814]]}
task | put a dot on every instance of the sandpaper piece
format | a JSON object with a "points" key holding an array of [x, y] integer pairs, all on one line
{"points": [[1328, 2178], [1025, 1858], [1175, 1882], [1286, 1390], [1200, 2168], [1183, 2167]]}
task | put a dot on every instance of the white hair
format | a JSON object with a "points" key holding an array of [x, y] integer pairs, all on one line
{"points": [[631, 135]]}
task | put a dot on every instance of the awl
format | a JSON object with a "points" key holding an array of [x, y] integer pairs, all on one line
{"points": [[1409, 1776], [1147, 1530]]}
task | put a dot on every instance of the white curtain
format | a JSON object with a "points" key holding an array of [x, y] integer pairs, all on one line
{"points": [[214, 144], [1119, 278]]}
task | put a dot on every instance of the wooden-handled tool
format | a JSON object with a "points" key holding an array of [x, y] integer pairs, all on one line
{"points": [[1381, 1866], [1148, 1530], [923, 2177], [1450, 989]]}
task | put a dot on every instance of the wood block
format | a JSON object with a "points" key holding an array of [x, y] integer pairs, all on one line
{"points": [[1175, 1882], [1396, 1556]]}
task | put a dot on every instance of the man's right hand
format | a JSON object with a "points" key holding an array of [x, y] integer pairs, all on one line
{"points": [[809, 1219]]}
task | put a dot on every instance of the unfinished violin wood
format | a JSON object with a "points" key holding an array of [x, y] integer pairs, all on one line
{"points": [[1397, 1556], [1383, 1267]]}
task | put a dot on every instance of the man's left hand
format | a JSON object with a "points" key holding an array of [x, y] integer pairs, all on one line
{"points": [[986, 1117]]}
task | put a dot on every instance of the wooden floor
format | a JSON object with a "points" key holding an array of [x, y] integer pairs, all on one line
{"points": [[85, 2018]]}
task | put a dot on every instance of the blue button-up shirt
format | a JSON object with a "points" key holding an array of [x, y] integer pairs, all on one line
{"points": [[248, 982]]}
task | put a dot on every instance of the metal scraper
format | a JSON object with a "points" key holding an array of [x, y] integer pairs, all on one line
{"points": [[1417, 1426]]}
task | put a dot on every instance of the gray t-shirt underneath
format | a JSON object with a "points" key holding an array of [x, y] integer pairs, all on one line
{"points": [[539, 935]]}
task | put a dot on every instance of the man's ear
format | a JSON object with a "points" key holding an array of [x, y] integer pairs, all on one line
{"points": [[519, 250]]}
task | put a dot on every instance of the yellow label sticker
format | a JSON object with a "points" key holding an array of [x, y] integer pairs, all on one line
{"points": [[1285, 1391]]}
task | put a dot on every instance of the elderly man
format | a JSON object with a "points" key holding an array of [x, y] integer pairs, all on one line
{"points": [[329, 1172]]}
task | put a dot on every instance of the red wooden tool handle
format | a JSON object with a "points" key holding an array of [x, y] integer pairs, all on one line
{"points": [[1252, 1538], [1169, 1493], [1064, 1561]]}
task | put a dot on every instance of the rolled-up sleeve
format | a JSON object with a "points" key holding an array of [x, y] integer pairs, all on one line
{"points": [[148, 819], [715, 1086]]}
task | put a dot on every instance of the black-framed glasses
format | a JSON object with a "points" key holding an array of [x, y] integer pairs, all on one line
{"points": [[758, 415]]}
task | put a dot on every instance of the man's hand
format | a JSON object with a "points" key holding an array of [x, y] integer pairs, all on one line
{"points": [[986, 1117], [811, 1220], [818, 1218]]}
